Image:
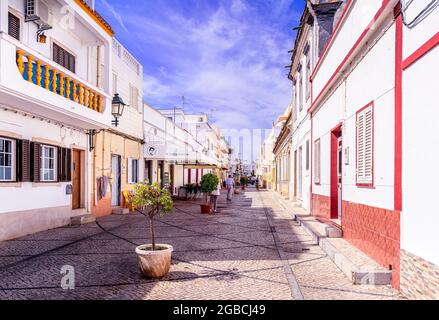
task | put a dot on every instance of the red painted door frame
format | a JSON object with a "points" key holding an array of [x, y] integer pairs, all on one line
{"points": [[334, 171]]}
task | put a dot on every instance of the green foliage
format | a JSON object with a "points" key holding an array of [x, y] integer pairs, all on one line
{"points": [[244, 180], [151, 199], [209, 183]]}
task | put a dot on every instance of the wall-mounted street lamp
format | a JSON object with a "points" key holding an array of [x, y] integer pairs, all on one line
{"points": [[91, 138], [117, 107]]}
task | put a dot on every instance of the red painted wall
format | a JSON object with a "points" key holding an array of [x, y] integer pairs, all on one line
{"points": [[321, 207], [376, 232]]}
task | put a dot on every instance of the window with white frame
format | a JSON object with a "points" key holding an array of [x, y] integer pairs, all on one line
{"points": [[365, 146], [7, 160], [133, 171], [115, 83], [49, 163], [308, 71], [317, 162], [134, 97]]}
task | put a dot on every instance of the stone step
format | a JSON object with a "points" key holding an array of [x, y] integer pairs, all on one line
{"points": [[120, 211], [355, 264], [82, 219]]}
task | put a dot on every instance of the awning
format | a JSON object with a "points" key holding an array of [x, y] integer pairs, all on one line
{"points": [[200, 166]]}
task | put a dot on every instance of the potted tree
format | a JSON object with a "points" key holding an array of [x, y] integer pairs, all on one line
{"points": [[209, 183], [244, 182], [152, 201]]}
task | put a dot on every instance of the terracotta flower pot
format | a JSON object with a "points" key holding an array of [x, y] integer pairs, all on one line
{"points": [[206, 208], [155, 264]]}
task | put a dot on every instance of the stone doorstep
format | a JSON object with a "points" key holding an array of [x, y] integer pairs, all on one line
{"points": [[82, 219], [360, 275], [120, 211]]}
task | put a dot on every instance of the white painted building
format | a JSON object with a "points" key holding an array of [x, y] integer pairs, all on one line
{"points": [[371, 108], [420, 153], [45, 160], [180, 148], [265, 165]]}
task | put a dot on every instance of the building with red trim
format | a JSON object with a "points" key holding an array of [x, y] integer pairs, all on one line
{"points": [[364, 71]]}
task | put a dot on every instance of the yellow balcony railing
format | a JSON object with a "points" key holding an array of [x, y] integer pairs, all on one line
{"points": [[54, 80]]}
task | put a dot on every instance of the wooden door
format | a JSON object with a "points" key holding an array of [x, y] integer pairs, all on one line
{"points": [[76, 180]]}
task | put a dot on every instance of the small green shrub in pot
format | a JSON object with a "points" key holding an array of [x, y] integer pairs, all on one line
{"points": [[209, 183], [244, 181], [153, 201]]}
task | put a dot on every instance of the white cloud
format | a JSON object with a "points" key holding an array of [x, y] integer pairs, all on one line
{"points": [[230, 60]]}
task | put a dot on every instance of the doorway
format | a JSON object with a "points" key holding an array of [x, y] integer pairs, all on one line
{"points": [[300, 175], [337, 174], [161, 173], [295, 176], [116, 180], [76, 179], [148, 171], [172, 175]]}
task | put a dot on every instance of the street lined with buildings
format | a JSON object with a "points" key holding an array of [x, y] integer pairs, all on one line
{"points": [[232, 255], [346, 208]]}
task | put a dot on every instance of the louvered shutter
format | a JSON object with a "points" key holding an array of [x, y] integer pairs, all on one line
{"points": [[365, 146], [68, 165], [35, 162], [13, 26], [23, 170]]}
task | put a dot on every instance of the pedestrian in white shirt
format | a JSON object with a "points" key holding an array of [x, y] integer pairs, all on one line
{"points": [[214, 197], [230, 183]]}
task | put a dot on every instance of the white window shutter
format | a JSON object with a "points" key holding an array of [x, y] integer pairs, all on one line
{"points": [[130, 164], [365, 146]]}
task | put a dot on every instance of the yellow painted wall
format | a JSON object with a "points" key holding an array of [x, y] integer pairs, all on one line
{"points": [[106, 145]]}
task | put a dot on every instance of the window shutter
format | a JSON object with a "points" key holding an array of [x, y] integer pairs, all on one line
{"points": [[64, 58], [13, 26], [23, 161], [36, 162], [307, 155], [365, 146], [60, 165], [68, 165]]}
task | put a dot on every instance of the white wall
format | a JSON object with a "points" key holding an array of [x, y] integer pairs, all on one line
{"points": [[128, 72], [28, 196], [372, 80], [420, 218], [357, 20]]}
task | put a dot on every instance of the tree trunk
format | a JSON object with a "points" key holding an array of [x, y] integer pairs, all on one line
{"points": [[151, 220]]}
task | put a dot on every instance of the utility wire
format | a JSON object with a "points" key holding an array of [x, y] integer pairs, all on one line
{"points": [[421, 16]]}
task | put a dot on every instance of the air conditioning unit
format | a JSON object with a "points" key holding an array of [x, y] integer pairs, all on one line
{"points": [[38, 12]]}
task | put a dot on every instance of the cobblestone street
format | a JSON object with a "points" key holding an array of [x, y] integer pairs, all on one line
{"points": [[252, 249]]}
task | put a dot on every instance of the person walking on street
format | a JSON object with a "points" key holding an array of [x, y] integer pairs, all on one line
{"points": [[214, 198], [230, 183]]}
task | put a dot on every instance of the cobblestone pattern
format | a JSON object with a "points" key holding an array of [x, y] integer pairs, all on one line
{"points": [[419, 278], [228, 256]]}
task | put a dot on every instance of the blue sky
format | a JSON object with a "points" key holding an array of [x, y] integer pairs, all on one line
{"points": [[226, 57]]}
